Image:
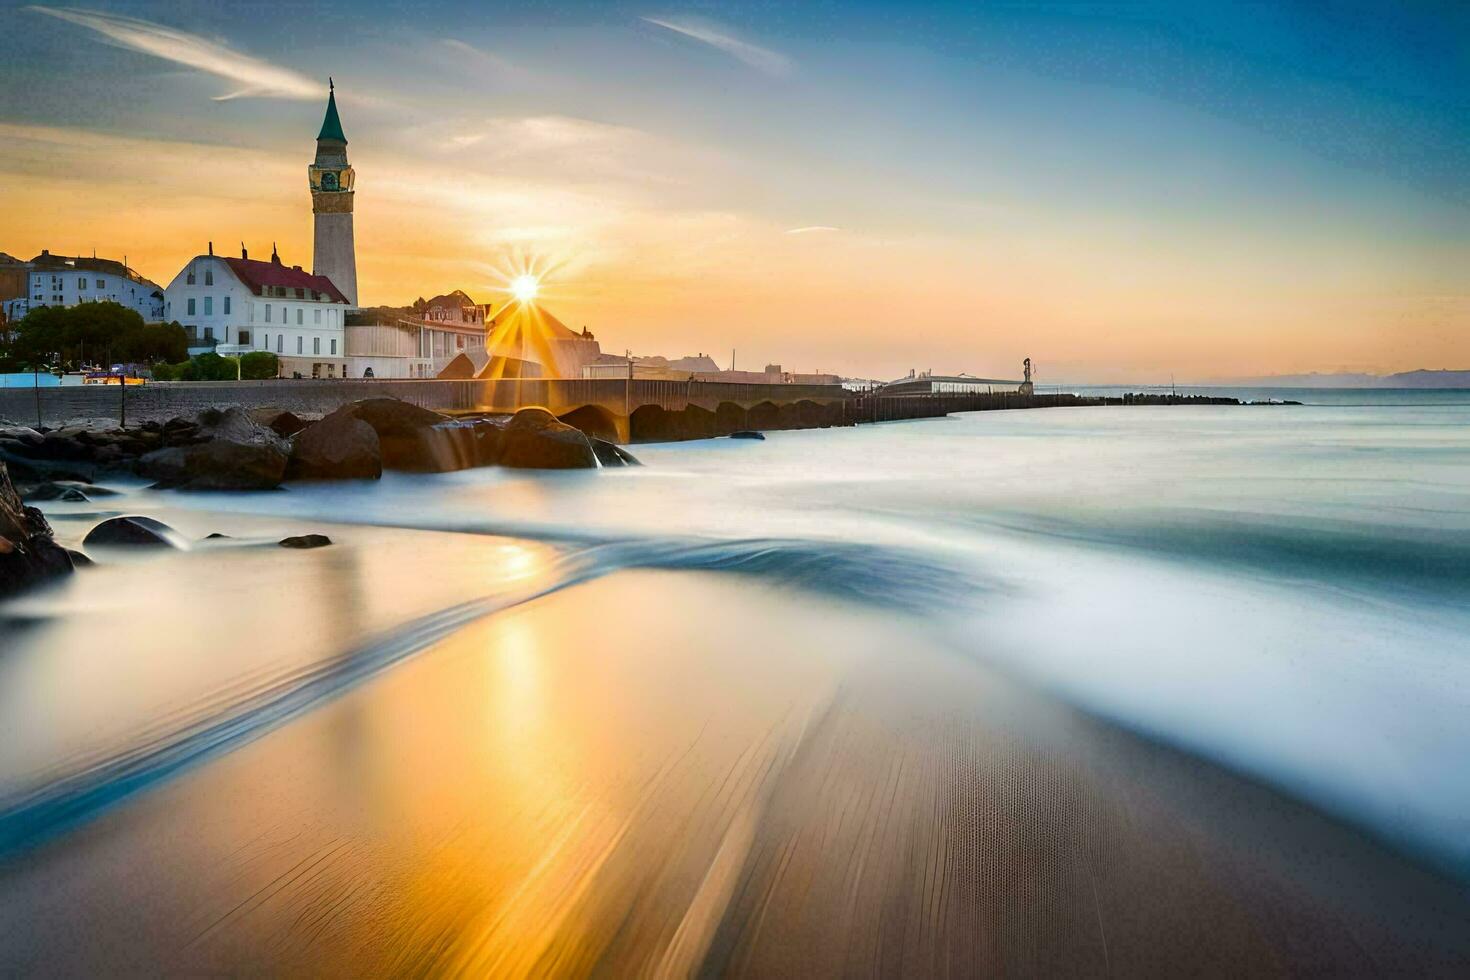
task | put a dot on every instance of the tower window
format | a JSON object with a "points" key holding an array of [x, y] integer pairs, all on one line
{"points": [[227, 306], [208, 277]]}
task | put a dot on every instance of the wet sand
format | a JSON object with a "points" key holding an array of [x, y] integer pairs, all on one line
{"points": [[763, 784]]}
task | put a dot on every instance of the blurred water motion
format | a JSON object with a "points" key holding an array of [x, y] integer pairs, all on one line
{"points": [[478, 735]]}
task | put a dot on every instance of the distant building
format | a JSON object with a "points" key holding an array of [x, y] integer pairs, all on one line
{"points": [[698, 368], [417, 341], [521, 334], [269, 306], [70, 280]]}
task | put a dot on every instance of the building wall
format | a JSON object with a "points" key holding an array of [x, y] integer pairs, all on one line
{"points": [[66, 286], [307, 332]]}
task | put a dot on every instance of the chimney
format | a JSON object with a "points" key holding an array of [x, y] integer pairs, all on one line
{"points": [[211, 249], [243, 253]]}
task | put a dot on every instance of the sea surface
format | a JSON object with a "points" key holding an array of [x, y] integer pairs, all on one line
{"points": [[562, 721]]}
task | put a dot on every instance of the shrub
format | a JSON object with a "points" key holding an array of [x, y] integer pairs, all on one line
{"points": [[259, 365]]}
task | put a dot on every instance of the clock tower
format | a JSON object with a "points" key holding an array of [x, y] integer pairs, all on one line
{"points": [[335, 255]]}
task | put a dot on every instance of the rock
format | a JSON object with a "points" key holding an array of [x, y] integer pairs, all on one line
{"points": [[747, 434], [413, 438], [278, 420], [339, 447], [611, 454], [534, 439], [28, 552], [27, 469], [238, 454], [79, 560], [306, 541], [134, 530], [215, 535], [22, 434]]}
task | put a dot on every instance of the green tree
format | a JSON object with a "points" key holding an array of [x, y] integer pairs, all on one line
{"points": [[259, 365]]}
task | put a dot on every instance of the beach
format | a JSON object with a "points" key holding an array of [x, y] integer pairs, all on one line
{"points": [[1065, 691]]}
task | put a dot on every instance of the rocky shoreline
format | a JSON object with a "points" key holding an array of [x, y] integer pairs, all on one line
{"points": [[258, 449]]}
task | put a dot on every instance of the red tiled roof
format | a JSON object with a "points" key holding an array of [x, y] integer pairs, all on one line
{"points": [[255, 274]]}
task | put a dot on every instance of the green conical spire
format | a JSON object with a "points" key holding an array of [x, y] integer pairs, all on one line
{"points": [[332, 124]]}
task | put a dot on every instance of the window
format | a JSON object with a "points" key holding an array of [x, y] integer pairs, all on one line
{"points": [[316, 316], [101, 283], [298, 344], [192, 331], [278, 343], [189, 279], [209, 306], [298, 316], [334, 348], [209, 333], [265, 341], [267, 313], [285, 315], [316, 345], [208, 276], [191, 306], [81, 284], [227, 306], [38, 282], [244, 337], [300, 293]]}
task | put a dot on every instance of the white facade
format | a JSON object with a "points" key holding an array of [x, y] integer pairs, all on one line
{"points": [[56, 280], [263, 305]]}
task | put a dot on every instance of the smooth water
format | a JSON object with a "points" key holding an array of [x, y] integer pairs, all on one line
{"points": [[1280, 590]]}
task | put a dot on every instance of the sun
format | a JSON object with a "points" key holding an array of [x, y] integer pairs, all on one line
{"points": [[525, 287]]}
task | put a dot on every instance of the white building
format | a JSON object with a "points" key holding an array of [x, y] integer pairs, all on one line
{"points": [[269, 306], [415, 342], [63, 280]]}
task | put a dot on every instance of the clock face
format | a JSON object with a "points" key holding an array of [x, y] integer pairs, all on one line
{"points": [[329, 180]]}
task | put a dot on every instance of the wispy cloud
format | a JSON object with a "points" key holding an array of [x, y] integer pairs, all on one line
{"points": [[485, 59], [254, 76], [761, 59], [809, 229]]}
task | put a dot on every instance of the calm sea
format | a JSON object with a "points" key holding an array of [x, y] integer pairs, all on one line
{"points": [[1280, 590]]}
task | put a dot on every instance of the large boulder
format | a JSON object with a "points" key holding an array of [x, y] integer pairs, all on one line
{"points": [[134, 531], [413, 438], [535, 439], [28, 552], [339, 447], [238, 454]]}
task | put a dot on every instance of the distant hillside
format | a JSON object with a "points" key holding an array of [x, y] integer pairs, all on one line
{"points": [[1422, 378]]}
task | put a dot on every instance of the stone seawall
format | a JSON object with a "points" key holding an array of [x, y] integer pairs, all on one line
{"points": [[635, 411], [159, 402]]}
